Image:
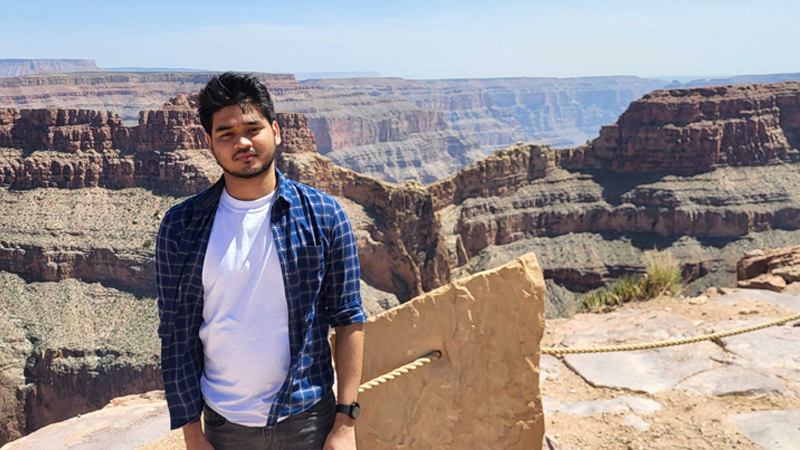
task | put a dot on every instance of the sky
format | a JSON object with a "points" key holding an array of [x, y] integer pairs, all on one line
{"points": [[415, 39]]}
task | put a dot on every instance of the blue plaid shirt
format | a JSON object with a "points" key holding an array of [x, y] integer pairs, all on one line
{"points": [[319, 261]]}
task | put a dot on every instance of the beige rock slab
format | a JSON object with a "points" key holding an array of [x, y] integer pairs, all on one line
{"points": [[648, 371], [484, 391], [125, 425], [764, 281]]}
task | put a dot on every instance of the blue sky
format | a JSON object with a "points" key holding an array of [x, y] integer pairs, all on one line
{"points": [[415, 39]]}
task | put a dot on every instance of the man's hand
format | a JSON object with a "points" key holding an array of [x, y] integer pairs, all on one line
{"points": [[342, 435], [195, 438]]}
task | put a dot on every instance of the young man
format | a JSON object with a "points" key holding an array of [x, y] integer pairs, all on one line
{"points": [[251, 274]]}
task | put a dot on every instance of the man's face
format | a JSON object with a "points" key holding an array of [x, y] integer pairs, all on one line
{"points": [[243, 142]]}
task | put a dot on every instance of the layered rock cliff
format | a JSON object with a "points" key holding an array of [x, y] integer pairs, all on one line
{"points": [[658, 177], [19, 67], [388, 128], [688, 131], [395, 129]]}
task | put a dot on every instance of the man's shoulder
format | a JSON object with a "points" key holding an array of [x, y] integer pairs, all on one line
{"points": [[320, 201], [180, 214]]}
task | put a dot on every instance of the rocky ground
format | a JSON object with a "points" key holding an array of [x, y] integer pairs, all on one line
{"points": [[738, 393], [741, 392]]}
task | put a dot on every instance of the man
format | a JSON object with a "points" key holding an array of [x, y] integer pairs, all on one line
{"points": [[251, 274]]}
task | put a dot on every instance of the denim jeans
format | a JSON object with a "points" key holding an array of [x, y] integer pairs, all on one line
{"points": [[305, 431]]}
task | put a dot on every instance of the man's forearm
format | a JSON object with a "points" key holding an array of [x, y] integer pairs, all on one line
{"points": [[349, 360], [193, 435]]}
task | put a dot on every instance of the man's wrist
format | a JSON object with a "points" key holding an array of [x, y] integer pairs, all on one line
{"points": [[344, 420]]}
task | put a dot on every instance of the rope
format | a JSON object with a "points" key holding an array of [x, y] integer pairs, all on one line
{"points": [[659, 344], [402, 370]]}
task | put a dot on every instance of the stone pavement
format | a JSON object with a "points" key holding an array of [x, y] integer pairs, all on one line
{"points": [[764, 364]]}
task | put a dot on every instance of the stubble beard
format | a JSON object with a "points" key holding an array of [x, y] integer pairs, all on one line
{"points": [[249, 172]]}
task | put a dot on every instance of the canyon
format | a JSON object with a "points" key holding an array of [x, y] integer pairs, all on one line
{"points": [[707, 173], [392, 129]]}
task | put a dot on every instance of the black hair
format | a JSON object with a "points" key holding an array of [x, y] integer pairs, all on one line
{"points": [[229, 89]]}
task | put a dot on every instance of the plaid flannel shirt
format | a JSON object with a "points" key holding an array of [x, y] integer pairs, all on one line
{"points": [[319, 261]]}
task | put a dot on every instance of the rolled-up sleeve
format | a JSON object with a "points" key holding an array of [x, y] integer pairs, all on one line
{"points": [[342, 288]]}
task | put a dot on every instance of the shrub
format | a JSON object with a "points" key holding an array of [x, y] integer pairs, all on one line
{"points": [[663, 274]]}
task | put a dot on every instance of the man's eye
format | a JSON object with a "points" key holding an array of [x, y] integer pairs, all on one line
{"points": [[226, 134], [255, 130]]}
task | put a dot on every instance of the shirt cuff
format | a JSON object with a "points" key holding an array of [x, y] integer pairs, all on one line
{"points": [[348, 315]]}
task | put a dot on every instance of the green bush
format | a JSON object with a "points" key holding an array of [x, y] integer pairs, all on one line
{"points": [[663, 275]]}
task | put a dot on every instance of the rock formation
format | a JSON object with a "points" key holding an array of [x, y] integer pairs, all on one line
{"points": [[389, 128], [399, 243], [771, 269], [688, 131], [68, 348], [19, 67]]}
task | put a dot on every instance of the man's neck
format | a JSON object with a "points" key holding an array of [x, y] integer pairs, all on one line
{"points": [[251, 188]]}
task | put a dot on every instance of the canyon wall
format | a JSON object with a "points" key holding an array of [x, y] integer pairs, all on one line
{"points": [[395, 129], [20, 67], [690, 131]]}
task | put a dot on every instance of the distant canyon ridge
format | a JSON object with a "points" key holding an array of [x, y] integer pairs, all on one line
{"points": [[391, 129]]}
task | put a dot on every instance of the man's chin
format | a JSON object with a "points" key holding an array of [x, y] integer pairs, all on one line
{"points": [[250, 172]]}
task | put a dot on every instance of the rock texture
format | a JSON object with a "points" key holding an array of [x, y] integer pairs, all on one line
{"points": [[126, 423], [483, 392], [648, 371], [773, 430], [695, 130], [68, 348], [747, 397], [19, 67], [570, 206], [771, 269]]}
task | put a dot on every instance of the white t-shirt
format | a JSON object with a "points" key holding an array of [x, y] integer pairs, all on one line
{"points": [[245, 329]]}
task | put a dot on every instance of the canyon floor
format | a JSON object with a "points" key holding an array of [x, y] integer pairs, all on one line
{"points": [[737, 393]]}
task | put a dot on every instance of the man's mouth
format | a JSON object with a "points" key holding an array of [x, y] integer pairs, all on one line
{"points": [[245, 157]]}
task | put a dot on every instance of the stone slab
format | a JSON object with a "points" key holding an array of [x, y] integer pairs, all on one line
{"points": [[788, 300], [484, 390], [733, 380], [121, 427], [550, 367], [636, 422], [647, 371], [771, 350], [773, 430]]}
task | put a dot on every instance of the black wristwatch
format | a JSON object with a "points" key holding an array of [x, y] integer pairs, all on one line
{"points": [[353, 410]]}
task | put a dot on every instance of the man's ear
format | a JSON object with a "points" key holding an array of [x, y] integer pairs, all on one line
{"points": [[276, 131], [208, 142]]}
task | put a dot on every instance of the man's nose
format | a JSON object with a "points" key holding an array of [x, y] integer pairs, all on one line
{"points": [[242, 143]]}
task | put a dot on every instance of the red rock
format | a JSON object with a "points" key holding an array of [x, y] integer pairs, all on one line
{"points": [[696, 130], [764, 281], [782, 261]]}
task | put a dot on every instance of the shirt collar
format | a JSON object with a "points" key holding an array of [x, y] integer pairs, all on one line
{"points": [[211, 195]]}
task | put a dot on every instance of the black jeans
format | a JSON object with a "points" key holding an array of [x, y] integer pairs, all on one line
{"points": [[305, 431]]}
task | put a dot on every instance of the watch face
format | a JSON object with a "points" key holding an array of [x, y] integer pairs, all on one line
{"points": [[355, 411]]}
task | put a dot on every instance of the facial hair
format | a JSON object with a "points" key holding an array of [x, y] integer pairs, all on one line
{"points": [[246, 174]]}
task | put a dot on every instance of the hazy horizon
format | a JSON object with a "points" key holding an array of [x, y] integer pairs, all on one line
{"points": [[417, 40]]}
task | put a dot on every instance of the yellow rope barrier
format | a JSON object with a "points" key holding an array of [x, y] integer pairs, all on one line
{"points": [[402, 370], [659, 344]]}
